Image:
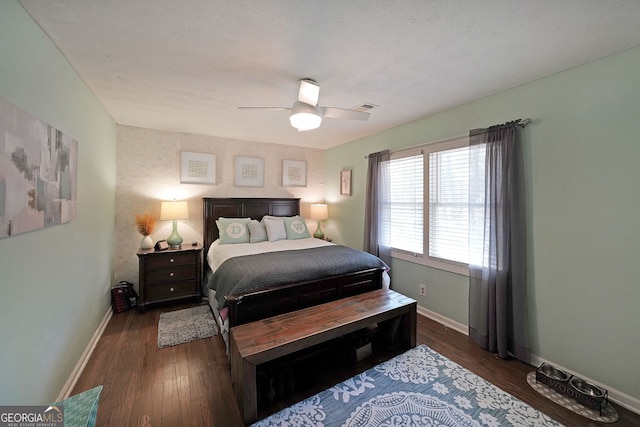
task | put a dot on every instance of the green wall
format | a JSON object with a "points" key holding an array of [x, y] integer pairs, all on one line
{"points": [[54, 283], [582, 160]]}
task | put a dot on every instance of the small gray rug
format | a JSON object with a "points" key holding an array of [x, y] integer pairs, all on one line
{"points": [[183, 326]]}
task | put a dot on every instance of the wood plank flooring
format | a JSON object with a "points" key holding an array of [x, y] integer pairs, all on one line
{"points": [[190, 384]]}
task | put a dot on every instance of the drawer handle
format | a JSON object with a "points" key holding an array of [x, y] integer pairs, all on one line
{"points": [[170, 274], [171, 289], [171, 260]]}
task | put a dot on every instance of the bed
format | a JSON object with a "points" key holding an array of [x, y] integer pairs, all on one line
{"points": [[301, 289], [418, 388]]}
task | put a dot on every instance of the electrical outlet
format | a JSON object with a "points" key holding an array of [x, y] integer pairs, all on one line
{"points": [[423, 290]]}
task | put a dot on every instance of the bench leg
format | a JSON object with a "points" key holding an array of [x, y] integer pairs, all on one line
{"points": [[243, 379], [408, 334], [250, 395]]}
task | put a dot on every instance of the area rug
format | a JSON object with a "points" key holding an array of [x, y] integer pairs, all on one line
{"points": [[183, 326], [609, 413], [418, 388]]}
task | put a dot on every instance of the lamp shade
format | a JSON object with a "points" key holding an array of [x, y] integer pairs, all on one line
{"points": [[304, 116], [319, 211], [173, 210]]}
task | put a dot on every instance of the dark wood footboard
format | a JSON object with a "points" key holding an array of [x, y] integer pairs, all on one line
{"points": [[294, 296]]}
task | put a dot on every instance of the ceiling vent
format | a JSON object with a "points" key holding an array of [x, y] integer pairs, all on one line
{"points": [[365, 106]]}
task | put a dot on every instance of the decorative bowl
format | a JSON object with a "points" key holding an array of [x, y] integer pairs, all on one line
{"points": [[583, 392], [587, 394], [586, 388], [553, 373]]}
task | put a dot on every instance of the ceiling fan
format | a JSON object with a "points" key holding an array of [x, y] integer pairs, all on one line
{"points": [[306, 114]]}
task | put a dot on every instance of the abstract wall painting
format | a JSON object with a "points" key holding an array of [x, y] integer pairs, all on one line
{"points": [[38, 173]]}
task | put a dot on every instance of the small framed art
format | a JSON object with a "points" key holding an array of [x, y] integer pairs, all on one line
{"points": [[294, 173], [197, 168], [249, 171], [345, 182]]}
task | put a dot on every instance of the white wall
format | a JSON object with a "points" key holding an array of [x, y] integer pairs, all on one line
{"points": [[54, 283], [149, 172]]}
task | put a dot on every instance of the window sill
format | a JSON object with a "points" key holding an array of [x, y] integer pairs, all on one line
{"points": [[419, 259]]}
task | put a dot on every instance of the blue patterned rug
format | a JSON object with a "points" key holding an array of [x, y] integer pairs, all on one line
{"points": [[417, 388]]}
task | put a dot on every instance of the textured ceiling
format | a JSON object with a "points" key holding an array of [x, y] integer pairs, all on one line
{"points": [[186, 65]]}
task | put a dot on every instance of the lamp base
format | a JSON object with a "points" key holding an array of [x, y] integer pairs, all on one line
{"points": [[174, 240], [318, 234]]}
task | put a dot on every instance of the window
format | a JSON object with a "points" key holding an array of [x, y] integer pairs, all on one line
{"points": [[406, 209], [429, 203]]}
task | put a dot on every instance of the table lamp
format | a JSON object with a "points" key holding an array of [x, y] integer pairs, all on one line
{"points": [[319, 212], [173, 211]]}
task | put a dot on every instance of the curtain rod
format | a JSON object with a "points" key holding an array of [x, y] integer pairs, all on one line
{"points": [[519, 122]]}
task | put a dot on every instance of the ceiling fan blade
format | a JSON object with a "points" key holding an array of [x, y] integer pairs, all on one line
{"points": [[309, 92], [341, 113], [266, 108]]}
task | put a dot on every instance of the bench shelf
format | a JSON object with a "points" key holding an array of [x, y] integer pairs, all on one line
{"points": [[266, 340]]}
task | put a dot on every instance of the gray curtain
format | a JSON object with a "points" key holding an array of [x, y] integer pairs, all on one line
{"points": [[376, 233], [498, 313]]}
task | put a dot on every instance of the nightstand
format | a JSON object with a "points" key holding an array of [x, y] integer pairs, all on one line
{"points": [[169, 275]]}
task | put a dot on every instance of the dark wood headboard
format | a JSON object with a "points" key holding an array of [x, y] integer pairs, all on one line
{"points": [[213, 209]]}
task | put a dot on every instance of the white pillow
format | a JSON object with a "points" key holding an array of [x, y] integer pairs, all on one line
{"points": [[275, 230], [257, 232]]}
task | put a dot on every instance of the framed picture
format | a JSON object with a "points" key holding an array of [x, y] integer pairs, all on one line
{"points": [[197, 168], [249, 171], [345, 182], [294, 173], [38, 173]]}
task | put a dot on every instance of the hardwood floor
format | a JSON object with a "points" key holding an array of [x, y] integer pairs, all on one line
{"points": [[190, 384]]}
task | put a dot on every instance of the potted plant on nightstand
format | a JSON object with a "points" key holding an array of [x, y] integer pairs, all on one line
{"points": [[146, 223]]}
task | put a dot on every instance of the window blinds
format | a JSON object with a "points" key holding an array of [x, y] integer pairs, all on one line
{"points": [[407, 203], [430, 204], [451, 178]]}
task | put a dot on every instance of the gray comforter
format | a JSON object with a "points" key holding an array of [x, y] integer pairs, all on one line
{"points": [[250, 273]]}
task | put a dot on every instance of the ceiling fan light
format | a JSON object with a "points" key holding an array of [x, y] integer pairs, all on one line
{"points": [[304, 116]]}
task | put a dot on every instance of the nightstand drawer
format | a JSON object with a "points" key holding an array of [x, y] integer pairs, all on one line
{"points": [[171, 259], [172, 290], [170, 275]]}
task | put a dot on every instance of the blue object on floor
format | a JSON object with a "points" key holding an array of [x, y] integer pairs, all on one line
{"points": [[81, 410]]}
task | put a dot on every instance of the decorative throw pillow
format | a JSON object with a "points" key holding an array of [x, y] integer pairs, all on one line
{"points": [[81, 409], [296, 228], [233, 230], [237, 219], [275, 230], [257, 232]]}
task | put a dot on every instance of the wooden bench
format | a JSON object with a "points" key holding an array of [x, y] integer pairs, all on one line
{"points": [[265, 340]]}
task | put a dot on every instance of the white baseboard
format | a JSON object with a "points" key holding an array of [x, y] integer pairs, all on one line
{"points": [[77, 371], [624, 400], [445, 321]]}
